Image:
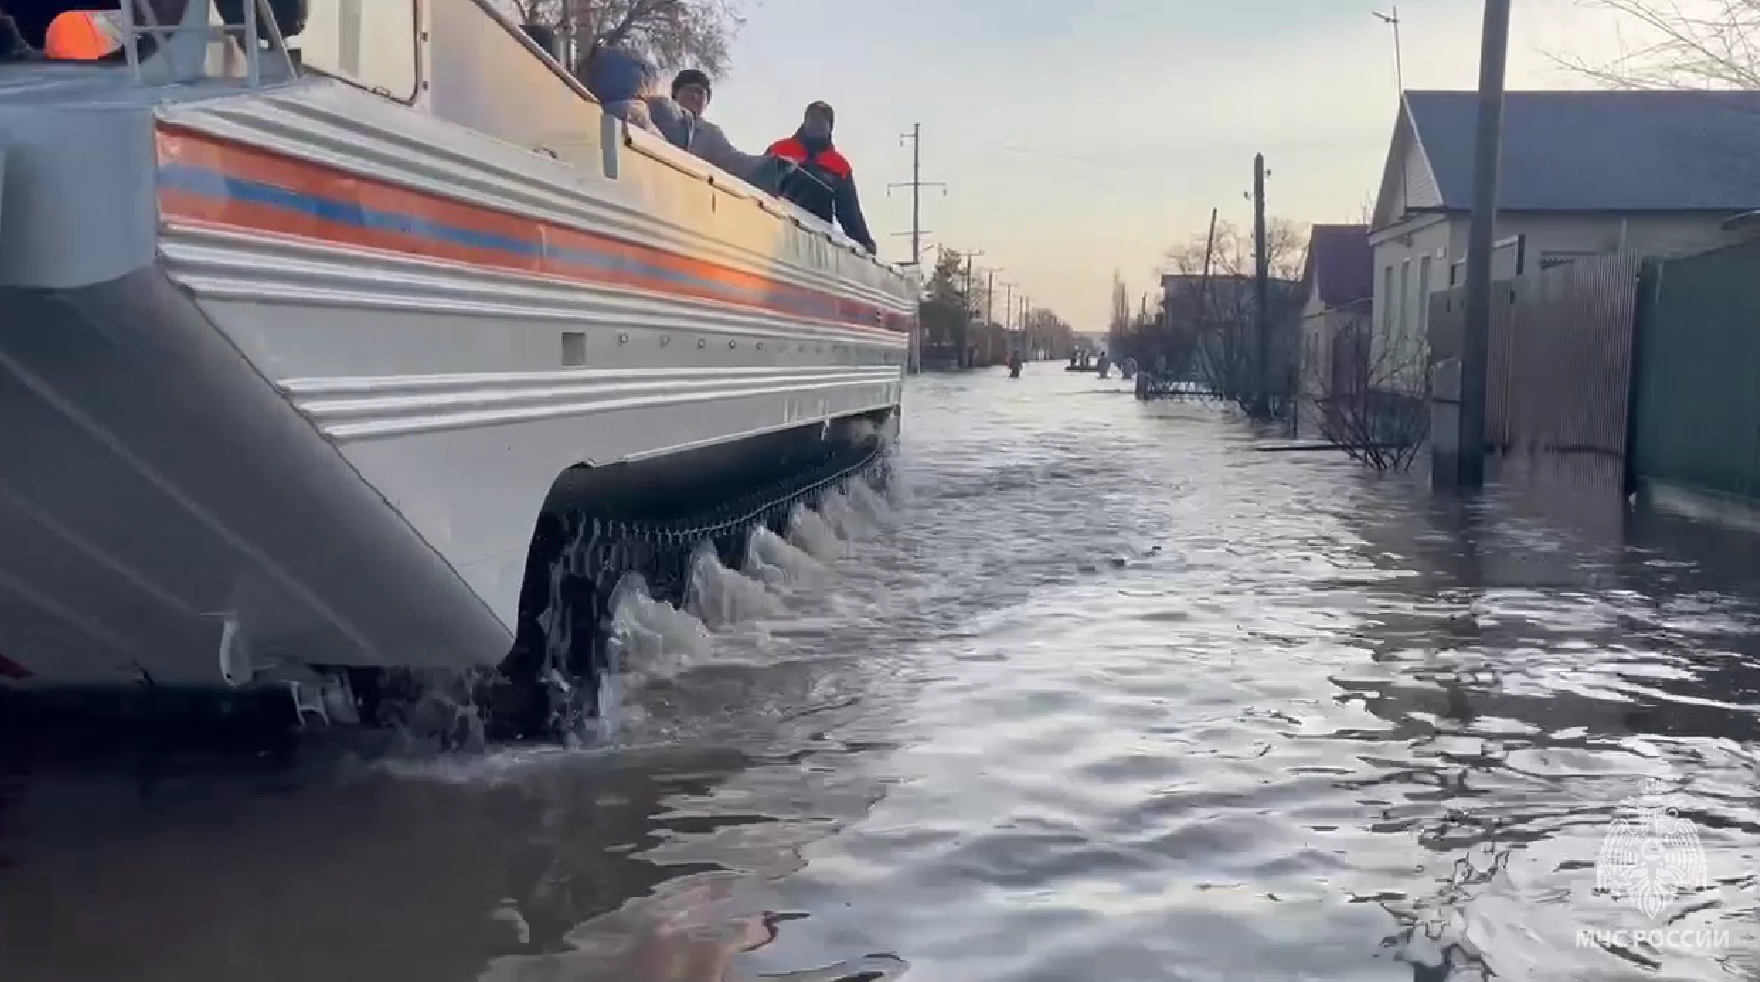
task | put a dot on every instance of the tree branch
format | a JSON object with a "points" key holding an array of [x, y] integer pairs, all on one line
{"points": [[1708, 44]]}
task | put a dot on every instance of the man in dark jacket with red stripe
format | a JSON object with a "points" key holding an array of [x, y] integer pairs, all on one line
{"points": [[826, 184]]}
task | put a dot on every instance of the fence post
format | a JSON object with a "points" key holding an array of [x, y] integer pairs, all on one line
{"points": [[1649, 289]]}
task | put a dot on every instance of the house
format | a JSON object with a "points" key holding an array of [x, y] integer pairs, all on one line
{"points": [[1338, 279], [1582, 173], [1208, 325]]}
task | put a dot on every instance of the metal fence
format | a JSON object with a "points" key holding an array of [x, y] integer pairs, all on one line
{"points": [[1696, 412], [1559, 366]]}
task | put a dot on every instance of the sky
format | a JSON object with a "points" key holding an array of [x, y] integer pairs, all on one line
{"points": [[1080, 138]]}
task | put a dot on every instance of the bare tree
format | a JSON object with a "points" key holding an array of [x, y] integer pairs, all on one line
{"points": [[1374, 399], [1210, 315], [674, 33], [1285, 242], [1047, 331], [1710, 44], [1119, 329]]}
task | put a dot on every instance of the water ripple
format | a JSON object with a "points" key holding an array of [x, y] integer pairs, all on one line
{"points": [[1111, 696]]}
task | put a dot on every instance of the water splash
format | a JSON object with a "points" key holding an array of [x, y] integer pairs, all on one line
{"points": [[843, 518], [651, 643], [811, 534], [778, 563], [649, 639], [720, 597], [872, 503]]}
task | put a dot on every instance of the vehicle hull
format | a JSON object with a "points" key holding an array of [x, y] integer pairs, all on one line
{"points": [[297, 393]]}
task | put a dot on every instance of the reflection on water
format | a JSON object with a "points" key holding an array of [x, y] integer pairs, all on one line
{"points": [[1106, 695]]}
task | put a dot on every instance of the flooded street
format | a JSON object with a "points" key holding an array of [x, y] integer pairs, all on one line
{"points": [[1104, 694]]}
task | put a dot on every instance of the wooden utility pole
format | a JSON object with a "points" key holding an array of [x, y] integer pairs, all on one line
{"points": [[1204, 277], [916, 184], [1487, 159], [1261, 298]]}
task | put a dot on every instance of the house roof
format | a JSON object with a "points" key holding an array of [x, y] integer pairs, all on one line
{"points": [[1341, 263], [1603, 150]]}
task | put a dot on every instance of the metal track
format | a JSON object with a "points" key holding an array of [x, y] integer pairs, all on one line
{"points": [[555, 687]]}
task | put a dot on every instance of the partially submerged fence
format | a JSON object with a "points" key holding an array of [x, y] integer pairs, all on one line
{"points": [[1652, 362], [1560, 354], [1696, 414]]}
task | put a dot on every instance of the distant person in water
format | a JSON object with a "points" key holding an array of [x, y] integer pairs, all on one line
{"points": [[825, 184]]}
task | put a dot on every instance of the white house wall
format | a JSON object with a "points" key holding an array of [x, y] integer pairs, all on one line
{"points": [[1580, 235], [1403, 311], [1411, 261]]}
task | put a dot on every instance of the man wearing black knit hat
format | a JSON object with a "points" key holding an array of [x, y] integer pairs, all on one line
{"points": [[691, 89], [826, 184]]}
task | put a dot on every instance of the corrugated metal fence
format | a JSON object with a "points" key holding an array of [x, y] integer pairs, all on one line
{"points": [[1560, 355], [1566, 358], [1696, 419]]}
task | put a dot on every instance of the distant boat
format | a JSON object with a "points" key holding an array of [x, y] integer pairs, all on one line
{"points": [[1081, 361]]}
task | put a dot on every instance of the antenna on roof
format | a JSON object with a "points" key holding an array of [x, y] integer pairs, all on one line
{"points": [[1399, 69]]}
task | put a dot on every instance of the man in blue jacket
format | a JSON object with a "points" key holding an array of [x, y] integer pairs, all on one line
{"points": [[825, 184]]}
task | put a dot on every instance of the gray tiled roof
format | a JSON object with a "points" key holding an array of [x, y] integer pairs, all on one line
{"points": [[1602, 150]]}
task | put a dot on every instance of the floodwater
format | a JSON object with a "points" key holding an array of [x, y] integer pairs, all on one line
{"points": [[1103, 694]]}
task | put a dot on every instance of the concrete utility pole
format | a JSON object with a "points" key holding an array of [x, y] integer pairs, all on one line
{"points": [[916, 184], [1487, 159], [1261, 298], [971, 276], [990, 298], [971, 310]]}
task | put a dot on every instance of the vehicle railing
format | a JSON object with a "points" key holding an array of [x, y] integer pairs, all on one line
{"points": [[620, 135], [172, 41], [259, 36], [544, 55]]}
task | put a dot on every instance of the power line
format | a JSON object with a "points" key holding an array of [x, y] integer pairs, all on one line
{"points": [[1154, 156]]}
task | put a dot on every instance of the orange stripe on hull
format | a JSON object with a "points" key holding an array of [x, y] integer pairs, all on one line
{"points": [[212, 182]]}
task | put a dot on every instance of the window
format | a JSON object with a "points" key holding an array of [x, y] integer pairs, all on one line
{"points": [[1387, 301], [1405, 296], [1423, 293], [369, 42]]}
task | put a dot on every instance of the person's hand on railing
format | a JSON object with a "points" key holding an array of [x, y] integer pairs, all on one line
{"points": [[772, 173]]}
